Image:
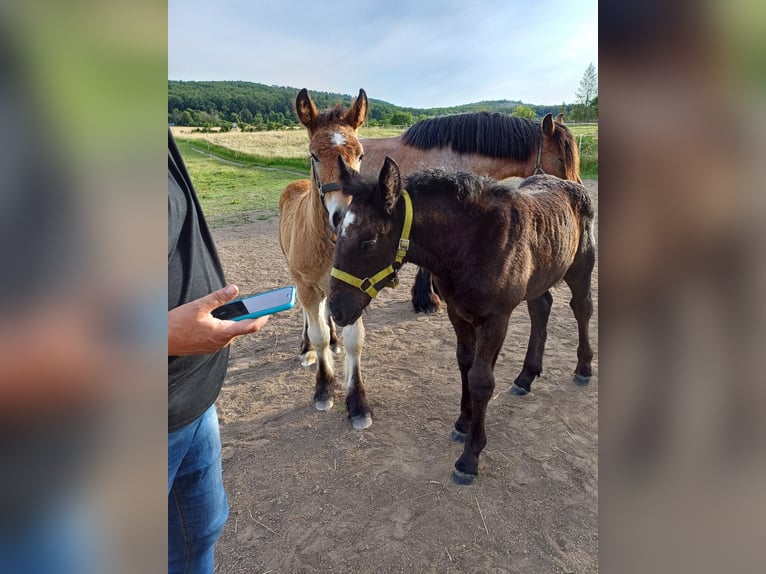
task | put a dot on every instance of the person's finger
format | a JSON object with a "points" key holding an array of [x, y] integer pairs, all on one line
{"points": [[218, 298], [248, 326]]}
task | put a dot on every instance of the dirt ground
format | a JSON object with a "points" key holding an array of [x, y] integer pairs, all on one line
{"points": [[310, 494]]}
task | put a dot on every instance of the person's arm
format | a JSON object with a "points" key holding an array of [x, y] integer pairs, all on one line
{"points": [[192, 330]]}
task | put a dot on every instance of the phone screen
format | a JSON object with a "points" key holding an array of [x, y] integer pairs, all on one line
{"points": [[257, 305], [264, 301]]}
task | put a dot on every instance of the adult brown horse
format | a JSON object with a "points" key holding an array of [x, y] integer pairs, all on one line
{"points": [[489, 144], [306, 240], [489, 246]]}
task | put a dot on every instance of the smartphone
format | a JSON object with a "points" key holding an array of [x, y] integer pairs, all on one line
{"points": [[257, 305]]}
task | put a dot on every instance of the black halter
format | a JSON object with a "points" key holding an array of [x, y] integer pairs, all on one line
{"points": [[327, 187]]}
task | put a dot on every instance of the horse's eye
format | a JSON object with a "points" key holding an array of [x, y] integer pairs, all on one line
{"points": [[315, 158], [368, 245], [361, 157]]}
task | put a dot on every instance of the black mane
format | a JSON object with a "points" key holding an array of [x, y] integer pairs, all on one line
{"points": [[491, 134]]}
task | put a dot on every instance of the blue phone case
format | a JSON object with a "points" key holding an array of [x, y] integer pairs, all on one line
{"points": [[258, 305]]}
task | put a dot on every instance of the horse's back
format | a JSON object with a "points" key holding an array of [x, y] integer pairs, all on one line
{"points": [[293, 192], [551, 219], [577, 195]]}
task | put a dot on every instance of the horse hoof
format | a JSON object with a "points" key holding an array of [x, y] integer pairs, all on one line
{"points": [[462, 478], [518, 391], [428, 308], [323, 405], [457, 436], [581, 380], [335, 349], [361, 422], [308, 359]]}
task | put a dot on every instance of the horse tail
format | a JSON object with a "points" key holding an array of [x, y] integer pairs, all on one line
{"points": [[580, 200], [582, 205]]}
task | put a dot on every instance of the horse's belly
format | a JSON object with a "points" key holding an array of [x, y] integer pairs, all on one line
{"points": [[545, 276]]}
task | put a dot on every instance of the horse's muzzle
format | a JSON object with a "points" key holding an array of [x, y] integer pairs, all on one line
{"points": [[344, 309]]}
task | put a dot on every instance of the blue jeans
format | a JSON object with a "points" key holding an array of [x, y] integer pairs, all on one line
{"points": [[62, 542], [197, 503]]}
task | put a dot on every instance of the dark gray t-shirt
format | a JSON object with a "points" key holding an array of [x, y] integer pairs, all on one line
{"points": [[194, 270]]}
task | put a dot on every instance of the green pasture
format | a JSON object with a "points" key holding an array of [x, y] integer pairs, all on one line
{"points": [[586, 136], [237, 190], [588, 156]]}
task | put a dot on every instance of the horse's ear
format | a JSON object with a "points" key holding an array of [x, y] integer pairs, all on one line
{"points": [[389, 185], [305, 108], [358, 112], [547, 125], [560, 119]]}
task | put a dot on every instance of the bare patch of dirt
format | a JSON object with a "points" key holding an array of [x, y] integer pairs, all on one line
{"points": [[310, 494]]}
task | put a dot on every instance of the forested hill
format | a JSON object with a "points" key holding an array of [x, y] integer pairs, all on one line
{"points": [[258, 106]]}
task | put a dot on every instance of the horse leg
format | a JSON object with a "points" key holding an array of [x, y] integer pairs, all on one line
{"points": [[319, 334], [308, 355], [539, 311], [481, 383], [578, 278], [358, 410], [334, 344], [466, 347], [424, 297]]}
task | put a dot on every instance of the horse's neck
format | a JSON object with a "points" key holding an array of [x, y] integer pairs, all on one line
{"points": [[435, 227], [411, 159], [317, 218], [375, 152]]}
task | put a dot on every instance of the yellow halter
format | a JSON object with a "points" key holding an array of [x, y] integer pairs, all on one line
{"points": [[386, 277]]}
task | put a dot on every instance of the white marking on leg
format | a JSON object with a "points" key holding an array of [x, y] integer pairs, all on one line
{"points": [[319, 335], [353, 341], [328, 320], [309, 357]]}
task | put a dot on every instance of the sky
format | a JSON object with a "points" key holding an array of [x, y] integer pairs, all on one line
{"points": [[411, 53]]}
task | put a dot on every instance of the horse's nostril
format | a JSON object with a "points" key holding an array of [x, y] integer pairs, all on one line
{"points": [[335, 220]]}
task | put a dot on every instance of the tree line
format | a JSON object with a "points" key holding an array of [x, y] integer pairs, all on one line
{"points": [[254, 107]]}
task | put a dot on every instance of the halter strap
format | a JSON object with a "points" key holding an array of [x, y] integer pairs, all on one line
{"points": [[539, 165], [385, 277], [327, 187]]}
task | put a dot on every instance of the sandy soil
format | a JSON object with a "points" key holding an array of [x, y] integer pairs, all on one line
{"points": [[310, 494]]}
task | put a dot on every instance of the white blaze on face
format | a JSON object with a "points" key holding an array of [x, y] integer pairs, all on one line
{"points": [[347, 220], [335, 208], [338, 139]]}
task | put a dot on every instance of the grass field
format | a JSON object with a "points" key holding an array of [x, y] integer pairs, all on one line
{"points": [[235, 193], [240, 175], [584, 129], [586, 136], [270, 144]]}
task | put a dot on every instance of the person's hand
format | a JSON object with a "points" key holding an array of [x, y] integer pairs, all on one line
{"points": [[192, 330]]}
